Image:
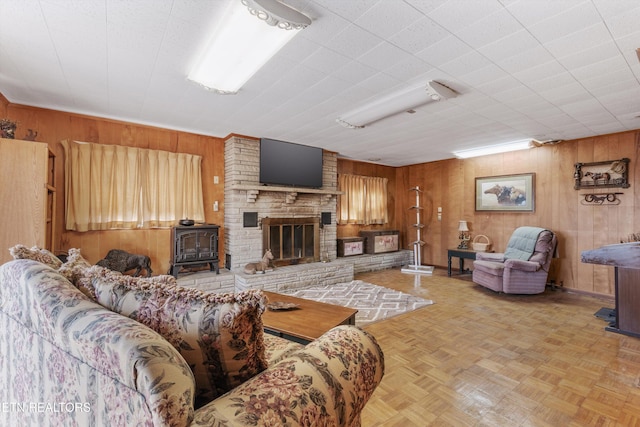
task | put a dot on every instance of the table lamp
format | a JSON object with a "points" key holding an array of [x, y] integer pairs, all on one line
{"points": [[464, 236]]}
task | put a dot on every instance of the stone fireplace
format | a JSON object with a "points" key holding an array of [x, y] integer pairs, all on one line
{"points": [[287, 220]]}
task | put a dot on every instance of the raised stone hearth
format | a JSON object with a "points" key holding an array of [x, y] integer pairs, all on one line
{"points": [[297, 276]]}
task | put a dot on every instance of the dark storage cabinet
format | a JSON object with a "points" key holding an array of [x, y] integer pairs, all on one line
{"points": [[380, 241], [194, 245], [348, 246]]}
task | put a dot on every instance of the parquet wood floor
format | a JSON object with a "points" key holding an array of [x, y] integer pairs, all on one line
{"points": [[477, 358]]}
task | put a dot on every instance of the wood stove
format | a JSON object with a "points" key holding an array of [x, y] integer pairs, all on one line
{"points": [[194, 245]]}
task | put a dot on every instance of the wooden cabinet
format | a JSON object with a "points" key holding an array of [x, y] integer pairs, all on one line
{"points": [[27, 195]]}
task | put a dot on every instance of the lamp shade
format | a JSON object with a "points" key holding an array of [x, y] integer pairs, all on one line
{"points": [[462, 226]]}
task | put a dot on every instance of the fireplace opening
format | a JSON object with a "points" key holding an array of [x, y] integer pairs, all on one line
{"points": [[292, 240]]}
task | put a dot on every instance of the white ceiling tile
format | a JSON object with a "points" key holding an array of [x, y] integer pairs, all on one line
{"points": [[624, 23], [355, 72], [578, 41], [387, 18], [548, 72], [567, 22], [383, 56], [494, 27], [410, 69], [525, 60], [602, 68], [456, 15], [483, 75], [444, 51], [353, 41], [350, 10], [325, 60], [128, 60], [418, 35], [596, 53], [506, 47], [530, 13]]}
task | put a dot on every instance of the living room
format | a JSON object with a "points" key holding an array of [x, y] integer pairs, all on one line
{"points": [[449, 196], [559, 206]]}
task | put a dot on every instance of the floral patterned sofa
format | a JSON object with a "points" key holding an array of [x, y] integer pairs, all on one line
{"points": [[80, 345]]}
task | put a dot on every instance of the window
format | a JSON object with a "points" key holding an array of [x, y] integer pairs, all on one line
{"points": [[364, 200], [115, 187]]}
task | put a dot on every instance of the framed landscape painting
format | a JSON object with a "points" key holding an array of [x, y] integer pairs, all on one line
{"points": [[506, 193]]}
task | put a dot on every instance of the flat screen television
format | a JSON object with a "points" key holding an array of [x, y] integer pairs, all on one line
{"points": [[289, 164]]}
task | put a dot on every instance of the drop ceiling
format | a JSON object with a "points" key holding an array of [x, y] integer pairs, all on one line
{"points": [[544, 69]]}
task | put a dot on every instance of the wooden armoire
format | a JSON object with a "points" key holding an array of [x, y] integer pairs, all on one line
{"points": [[27, 195]]}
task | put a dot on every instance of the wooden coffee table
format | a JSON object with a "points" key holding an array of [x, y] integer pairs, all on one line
{"points": [[307, 322]]}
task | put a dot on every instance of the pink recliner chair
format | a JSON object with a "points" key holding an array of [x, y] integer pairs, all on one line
{"points": [[523, 268]]}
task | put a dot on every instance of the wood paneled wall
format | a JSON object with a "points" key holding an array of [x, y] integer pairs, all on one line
{"points": [[450, 184], [55, 126]]}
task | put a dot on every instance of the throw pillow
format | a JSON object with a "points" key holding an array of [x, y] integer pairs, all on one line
{"points": [[35, 254], [73, 270], [219, 335]]}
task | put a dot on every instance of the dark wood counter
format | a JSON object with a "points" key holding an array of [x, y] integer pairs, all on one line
{"points": [[625, 257]]}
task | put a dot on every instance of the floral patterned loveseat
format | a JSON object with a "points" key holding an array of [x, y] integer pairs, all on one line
{"points": [[72, 354]]}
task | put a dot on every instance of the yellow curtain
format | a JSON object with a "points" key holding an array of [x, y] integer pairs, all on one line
{"points": [[364, 200], [376, 211], [112, 186], [173, 188]]}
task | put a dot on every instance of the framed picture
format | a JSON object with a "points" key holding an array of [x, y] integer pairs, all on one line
{"points": [[607, 174], [506, 193]]}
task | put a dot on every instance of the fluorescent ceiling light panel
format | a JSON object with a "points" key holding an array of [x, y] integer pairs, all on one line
{"points": [[493, 149], [247, 37], [397, 102]]}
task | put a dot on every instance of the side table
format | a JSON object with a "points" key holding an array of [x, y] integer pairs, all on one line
{"points": [[462, 254]]}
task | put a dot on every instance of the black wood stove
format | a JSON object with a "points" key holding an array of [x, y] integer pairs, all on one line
{"points": [[192, 245]]}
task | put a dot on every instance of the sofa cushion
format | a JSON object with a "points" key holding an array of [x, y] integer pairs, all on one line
{"points": [[35, 254], [493, 268], [219, 335]]}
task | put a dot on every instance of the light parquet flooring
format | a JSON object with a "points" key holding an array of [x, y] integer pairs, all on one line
{"points": [[478, 358]]}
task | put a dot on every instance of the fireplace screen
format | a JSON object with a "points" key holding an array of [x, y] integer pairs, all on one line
{"points": [[292, 240]]}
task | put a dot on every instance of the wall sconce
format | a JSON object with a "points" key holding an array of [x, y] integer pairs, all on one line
{"points": [[464, 235]]}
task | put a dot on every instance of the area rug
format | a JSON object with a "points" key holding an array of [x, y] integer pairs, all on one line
{"points": [[374, 303]]}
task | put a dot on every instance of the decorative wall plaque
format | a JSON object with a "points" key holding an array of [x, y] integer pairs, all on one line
{"points": [[607, 174]]}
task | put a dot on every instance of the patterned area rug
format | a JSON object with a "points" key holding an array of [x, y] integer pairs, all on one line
{"points": [[374, 303]]}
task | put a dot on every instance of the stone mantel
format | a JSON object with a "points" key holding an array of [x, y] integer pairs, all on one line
{"points": [[253, 191]]}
